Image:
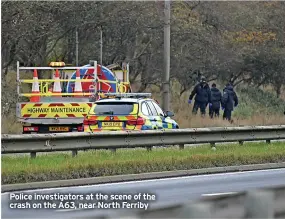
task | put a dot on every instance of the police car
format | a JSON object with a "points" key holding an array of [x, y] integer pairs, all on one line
{"points": [[127, 111]]}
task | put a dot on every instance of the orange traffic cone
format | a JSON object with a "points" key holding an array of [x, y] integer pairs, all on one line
{"points": [[56, 85], [35, 88], [78, 85]]}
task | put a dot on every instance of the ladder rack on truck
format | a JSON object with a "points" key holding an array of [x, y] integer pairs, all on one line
{"points": [[59, 104]]}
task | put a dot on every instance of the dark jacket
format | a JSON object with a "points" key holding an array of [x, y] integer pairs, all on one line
{"points": [[216, 97], [203, 94], [229, 99]]}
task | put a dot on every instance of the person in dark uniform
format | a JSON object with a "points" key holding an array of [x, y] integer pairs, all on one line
{"points": [[202, 98], [229, 101], [216, 98]]}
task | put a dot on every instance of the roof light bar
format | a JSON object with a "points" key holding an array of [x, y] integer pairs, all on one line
{"points": [[126, 95], [57, 64]]}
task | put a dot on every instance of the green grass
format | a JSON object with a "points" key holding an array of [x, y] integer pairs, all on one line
{"points": [[256, 101], [104, 163]]}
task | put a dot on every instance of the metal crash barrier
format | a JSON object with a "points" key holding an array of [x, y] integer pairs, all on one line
{"points": [[33, 143]]}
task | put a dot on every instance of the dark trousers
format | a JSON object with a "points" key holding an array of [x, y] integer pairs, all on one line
{"points": [[227, 114], [214, 111], [200, 105]]}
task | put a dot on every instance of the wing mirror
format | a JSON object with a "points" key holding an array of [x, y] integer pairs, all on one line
{"points": [[169, 114]]}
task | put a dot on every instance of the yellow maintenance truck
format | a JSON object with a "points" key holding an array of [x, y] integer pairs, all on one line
{"points": [[60, 103]]}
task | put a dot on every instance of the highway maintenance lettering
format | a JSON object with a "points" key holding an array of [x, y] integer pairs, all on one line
{"points": [[52, 110], [58, 110]]}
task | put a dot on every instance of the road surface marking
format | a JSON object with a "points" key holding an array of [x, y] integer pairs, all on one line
{"points": [[218, 194]]}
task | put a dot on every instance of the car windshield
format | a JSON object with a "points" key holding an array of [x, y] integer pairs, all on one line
{"points": [[114, 108]]}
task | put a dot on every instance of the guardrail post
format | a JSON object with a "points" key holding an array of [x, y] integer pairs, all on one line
{"points": [[181, 146], [197, 210], [33, 155], [268, 141], [113, 150], [259, 204], [149, 148], [74, 153], [240, 142], [213, 146]]}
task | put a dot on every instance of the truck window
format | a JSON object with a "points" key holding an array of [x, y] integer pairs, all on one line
{"points": [[115, 108]]}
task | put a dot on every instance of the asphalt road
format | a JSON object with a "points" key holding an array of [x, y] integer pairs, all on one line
{"points": [[167, 191]]}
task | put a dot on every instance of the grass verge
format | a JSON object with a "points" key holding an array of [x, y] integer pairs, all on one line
{"points": [[103, 163]]}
